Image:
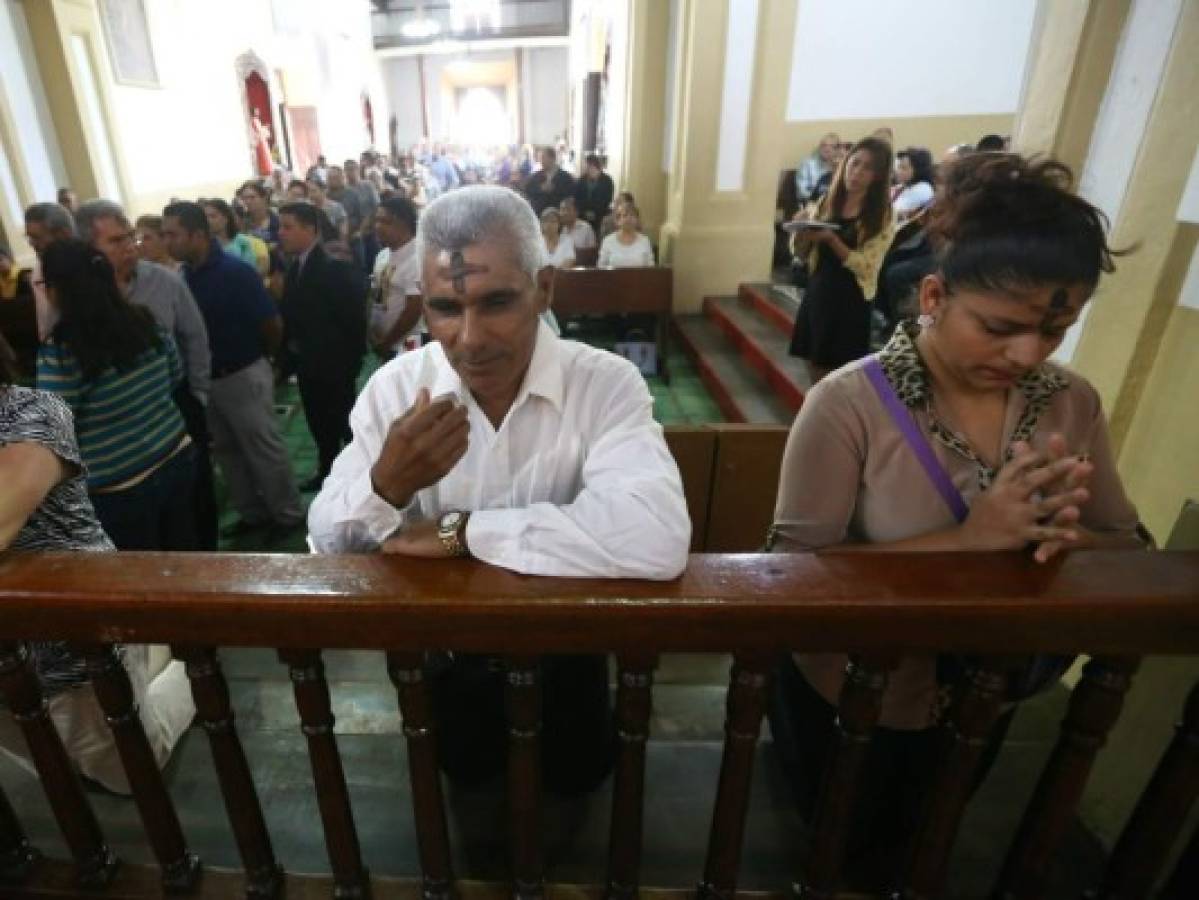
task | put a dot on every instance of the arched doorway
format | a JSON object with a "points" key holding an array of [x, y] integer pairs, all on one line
{"points": [[262, 128]]}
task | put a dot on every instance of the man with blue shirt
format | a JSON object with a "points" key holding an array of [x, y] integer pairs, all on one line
{"points": [[243, 327]]}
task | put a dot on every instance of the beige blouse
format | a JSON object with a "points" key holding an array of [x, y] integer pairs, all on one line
{"points": [[865, 262], [848, 476]]}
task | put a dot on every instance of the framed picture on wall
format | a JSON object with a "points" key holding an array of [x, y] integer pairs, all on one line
{"points": [[129, 49]]}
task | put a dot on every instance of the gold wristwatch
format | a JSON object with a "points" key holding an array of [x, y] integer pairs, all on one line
{"points": [[451, 529]]}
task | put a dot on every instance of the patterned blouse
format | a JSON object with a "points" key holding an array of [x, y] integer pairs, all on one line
{"points": [[65, 519]]}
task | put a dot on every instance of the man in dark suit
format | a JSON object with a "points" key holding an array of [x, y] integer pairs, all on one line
{"points": [[324, 308], [549, 185]]}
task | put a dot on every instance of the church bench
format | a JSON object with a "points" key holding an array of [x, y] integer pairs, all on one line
{"points": [[579, 292], [1116, 605]]}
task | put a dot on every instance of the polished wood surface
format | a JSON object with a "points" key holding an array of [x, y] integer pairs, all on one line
{"points": [[579, 292], [858, 710], [522, 700], [694, 451], [634, 701], [307, 670], [746, 707], [1152, 829], [407, 673], [744, 490], [1096, 602], [95, 864], [210, 690], [114, 693], [1094, 707]]}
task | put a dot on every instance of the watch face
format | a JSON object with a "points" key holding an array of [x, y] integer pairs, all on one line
{"points": [[450, 520]]}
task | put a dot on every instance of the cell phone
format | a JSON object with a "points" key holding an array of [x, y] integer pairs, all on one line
{"points": [[810, 225]]}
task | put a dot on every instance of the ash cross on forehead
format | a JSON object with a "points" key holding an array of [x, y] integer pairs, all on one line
{"points": [[457, 269], [1058, 305]]}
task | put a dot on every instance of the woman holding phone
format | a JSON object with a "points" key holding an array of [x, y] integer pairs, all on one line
{"points": [[958, 435], [851, 229]]}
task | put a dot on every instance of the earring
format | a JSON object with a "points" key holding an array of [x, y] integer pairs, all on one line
{"points": [[925, 320]]}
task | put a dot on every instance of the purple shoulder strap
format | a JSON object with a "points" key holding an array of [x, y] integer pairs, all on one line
{"points": [[916, 441]]}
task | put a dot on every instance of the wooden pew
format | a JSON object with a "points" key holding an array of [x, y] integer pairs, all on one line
{"points": [[586, 257], [578, 292], [1114, 604]]}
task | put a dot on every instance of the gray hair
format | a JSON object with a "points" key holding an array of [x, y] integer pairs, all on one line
{"points": [[470, 215], [54, 216], [93, 211]]}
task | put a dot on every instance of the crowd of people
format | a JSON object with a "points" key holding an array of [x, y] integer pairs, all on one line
{"points": [[485, 435], [860, 241]]}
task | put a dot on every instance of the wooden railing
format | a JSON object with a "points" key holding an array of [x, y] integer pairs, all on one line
{"points": [[1116, 605]]}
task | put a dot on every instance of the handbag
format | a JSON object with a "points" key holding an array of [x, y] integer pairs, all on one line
{"points": [[1041, 671]]}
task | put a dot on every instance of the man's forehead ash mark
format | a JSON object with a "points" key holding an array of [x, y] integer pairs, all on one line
{"points": [[454, 267]]}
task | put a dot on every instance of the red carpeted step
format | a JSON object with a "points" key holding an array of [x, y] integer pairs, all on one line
{"points": [[776, 304], [741, 394], [762, 345]]}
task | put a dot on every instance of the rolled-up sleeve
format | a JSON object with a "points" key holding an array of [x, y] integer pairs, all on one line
{"points": [[347, 516], [629, 520]]}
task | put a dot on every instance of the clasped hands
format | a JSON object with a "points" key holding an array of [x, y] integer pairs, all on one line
{"points": [[420, 449], [1035, 499]]}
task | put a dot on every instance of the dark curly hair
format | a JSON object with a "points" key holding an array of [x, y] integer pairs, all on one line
{"points": [[97, 324], [1005, 223]]}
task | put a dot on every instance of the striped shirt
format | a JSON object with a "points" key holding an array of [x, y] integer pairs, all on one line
{"points": [[126, 422]]}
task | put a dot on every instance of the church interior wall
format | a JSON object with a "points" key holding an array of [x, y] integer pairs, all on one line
{"points": [[544, 91]]}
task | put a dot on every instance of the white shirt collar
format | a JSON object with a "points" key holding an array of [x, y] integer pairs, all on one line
{"points": [[543, 378]]}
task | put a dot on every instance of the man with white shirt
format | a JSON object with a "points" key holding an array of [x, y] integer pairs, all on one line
{"points": [[580, 233], [396, 323], [505, 443]]}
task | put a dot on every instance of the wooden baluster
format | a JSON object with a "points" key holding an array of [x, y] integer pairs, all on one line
{"points": [[746, 704], [634, 699], [1184, 882], [110, 681], [522, 697], [95, 863], [351, 881], [428, 808], [1094, 707], [264, 876], [977, 706], [1153, 826], [17, 855], [858, 711]]}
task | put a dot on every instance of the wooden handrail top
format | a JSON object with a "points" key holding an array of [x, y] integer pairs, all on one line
{"points": [[1098, 602]]}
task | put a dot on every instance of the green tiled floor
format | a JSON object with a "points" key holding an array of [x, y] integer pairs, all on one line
{"points": [[684, 401]]}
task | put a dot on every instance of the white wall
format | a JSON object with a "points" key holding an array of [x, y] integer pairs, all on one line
{"points": [[24, 96], [192, 131], [869, 59], [543, 91]]}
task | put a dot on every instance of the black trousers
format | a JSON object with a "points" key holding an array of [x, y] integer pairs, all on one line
{"points": [[204, 505], [578, 739], [899, 771], [328, 399]]}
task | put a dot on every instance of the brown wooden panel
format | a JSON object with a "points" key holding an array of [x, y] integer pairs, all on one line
{"points": [[746, 705], [600, 291], [744, 486], [586, 257], [634, 700], [1104, 601], [694, 450], [1094, 707]]}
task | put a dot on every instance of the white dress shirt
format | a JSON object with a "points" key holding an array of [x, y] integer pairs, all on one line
{"points": [[618, 255], [563, 254], [581, 234], [576, 481]]}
